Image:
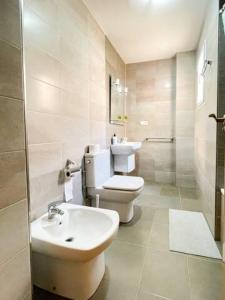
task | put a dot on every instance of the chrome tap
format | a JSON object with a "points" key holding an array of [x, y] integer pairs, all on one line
{"points": [[53, 210]]}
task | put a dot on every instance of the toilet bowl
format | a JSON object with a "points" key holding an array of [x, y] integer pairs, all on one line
{"points": [[115, 192]]}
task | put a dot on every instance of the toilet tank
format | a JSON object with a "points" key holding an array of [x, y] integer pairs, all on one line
{"points": [[97, 167]]}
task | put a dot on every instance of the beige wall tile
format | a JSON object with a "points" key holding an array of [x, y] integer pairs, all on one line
{"points": [[66, 91], [42, 66], [15, 280], [18, 270], [48, 10], [44, 189], [39, 34], [152, 99], [43, 97], [44, 159], [10, 71], [12, 133], [10, 22], [185, 118], [12, 177], [14, 235], [205, 133]]}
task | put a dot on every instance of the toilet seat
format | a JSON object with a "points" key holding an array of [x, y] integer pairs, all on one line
{"points": [[112, 192], [124, 183]]}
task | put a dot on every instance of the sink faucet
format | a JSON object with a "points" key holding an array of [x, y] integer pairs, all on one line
{"points": [[53, 210]]}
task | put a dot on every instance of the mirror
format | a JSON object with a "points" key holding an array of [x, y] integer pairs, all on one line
{"points": [[117, 97]]}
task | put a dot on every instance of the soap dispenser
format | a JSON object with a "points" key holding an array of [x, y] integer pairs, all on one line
{"points": [[114, 139]]}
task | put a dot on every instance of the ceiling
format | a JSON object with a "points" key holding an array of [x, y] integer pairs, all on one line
{"points": [[143, 30]]}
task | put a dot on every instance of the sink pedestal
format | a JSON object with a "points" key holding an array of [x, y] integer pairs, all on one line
{"points": [[70, 279], [124, 163], [124, 156]]}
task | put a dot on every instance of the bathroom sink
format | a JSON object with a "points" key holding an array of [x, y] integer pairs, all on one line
{"points": [[127, 148], [80, 234]]}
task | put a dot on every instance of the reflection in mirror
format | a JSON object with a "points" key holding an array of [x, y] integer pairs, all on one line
{"points": [[117, 97]]}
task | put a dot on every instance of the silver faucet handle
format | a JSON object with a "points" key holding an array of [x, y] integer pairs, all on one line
{"points": [[60, 212], [55, 203], [53, 210]]}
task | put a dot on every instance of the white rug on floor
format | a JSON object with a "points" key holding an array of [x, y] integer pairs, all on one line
{"points": [[189, 233]]}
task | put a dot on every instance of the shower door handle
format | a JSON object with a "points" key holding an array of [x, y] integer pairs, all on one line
{"points": [[218, 120]]}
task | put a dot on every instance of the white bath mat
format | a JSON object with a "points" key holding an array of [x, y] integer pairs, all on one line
{"points": [[189, 233]]}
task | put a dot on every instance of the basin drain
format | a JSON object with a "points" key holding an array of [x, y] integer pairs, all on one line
{"points": [[70, 239]]}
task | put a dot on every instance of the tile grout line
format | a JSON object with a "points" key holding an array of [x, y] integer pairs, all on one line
{"points": [[145, 256], [180, 197], [189, 277]]}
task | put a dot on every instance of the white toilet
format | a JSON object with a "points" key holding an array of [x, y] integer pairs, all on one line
{"points": [[115, 191]]}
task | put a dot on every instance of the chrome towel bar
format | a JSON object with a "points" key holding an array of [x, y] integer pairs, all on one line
{"points": [[160, 140]]}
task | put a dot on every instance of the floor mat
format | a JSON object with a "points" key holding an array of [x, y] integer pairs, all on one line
{"points": [[189, 233]]}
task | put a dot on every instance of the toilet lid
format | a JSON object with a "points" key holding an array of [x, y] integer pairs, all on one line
{"points": [[126, 183]]}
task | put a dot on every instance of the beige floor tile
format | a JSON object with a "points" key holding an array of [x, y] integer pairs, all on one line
{"points": [[161, 216], [170, 191], [207, 279], [191, 205], [152, 188], [143, 213], [165, 274], [147, 296], [124, 263], [155, 201], [114, 290], [188, 193], [159, 236], [137, 231]]}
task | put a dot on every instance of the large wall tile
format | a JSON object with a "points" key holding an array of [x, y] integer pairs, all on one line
{"points": [[18, 271], [10, 71], [12, 177], [44, 159], [48, 10], [12, 133], [14, 235], [10, 22], [185, 118], [66, 60], [15, 279], [43, 97], [151, 98], [44, 190], [205, 133], [42, 66], [39, 34]]}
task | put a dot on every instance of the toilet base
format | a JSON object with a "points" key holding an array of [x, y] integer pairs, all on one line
{"points": [[125, 210], [73, 280]]}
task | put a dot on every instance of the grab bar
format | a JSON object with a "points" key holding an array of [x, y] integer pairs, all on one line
{"points": [[160, 140]]}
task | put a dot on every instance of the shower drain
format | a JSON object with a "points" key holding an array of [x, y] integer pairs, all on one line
{"points": [[70, 239]]}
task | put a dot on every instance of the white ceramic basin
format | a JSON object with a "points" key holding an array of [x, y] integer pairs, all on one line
{"points": [[128, 148], [80, 234]]}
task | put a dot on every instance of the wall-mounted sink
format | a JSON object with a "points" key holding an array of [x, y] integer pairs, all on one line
{"points": [[124, 159], [125, 148]]}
